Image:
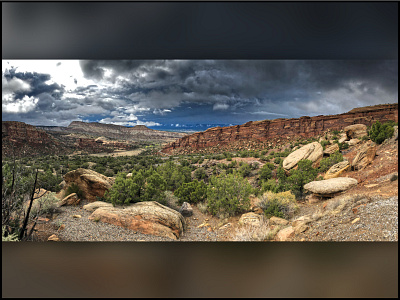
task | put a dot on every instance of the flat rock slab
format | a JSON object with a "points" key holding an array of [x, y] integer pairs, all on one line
{"points": [[95, 205], [330, 186], [148, 217]]}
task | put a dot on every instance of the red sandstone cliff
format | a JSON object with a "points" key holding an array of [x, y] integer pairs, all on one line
{"points": [[258, 134], [23, 139]]}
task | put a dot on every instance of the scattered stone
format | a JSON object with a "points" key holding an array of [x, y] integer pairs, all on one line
{"points": [[285, 234], [53, 238], [251, 218], [355, 220], [301, 220], [77, 216], [337, 169], [330, 186], [209, 229], [313, 151], [71, 199], [312, 199], [356, 131], [278, 221], [43, 219], [300, 228], [148, 217], [186, 210], [364, 156], [227, 225], [95, 205], [61, 227], [371, 185]]}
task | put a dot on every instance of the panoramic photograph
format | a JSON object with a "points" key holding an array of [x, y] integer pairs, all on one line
{"points": [[199, 150]]}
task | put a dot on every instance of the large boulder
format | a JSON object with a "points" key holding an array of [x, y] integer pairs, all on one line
{"points": [[337, 169], [148, 217], [365, 156], [91, 183], [328, 187], [312, 151], [356, 131], [331, 149]]}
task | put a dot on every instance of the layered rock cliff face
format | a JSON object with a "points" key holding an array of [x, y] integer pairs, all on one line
{"points": [[136, 133], [23, 139], [261, 134]]}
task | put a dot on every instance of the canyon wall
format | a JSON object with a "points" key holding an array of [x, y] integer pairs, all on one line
{"points": [[261, 134], [19, 139]]}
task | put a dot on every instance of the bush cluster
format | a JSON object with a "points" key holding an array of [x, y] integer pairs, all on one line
{"points": [[380, 132], [282, 205]]}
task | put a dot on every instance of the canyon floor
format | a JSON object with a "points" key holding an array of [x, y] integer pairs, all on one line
{"points": [[367, 212]]}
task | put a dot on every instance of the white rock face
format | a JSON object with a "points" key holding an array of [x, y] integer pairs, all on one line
{"points": [[312, 151]]}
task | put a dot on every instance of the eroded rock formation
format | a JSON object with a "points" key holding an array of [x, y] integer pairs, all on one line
{"points": [[259, 134], [147, 217]]}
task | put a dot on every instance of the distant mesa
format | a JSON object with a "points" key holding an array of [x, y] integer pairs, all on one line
{"points": [[261, 134]]}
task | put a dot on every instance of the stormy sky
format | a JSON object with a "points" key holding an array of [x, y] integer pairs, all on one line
{"points": [[176, 93]]}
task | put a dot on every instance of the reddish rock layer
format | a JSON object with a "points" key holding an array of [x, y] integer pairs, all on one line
{"points": [[258, 134], [24, 139]]}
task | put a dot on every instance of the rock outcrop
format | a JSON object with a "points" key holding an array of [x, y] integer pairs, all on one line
{"points": [[147, 217], [91, 183], [337, 169], [356, 131], [186, 209], [364, 156], [259, 134], [26, 140], [251, 219], [71, 199], [95, 205], [328, 187], [312, 151], [331, 149]]}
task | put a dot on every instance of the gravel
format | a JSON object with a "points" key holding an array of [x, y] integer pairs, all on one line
{"points": [[373, 219]]}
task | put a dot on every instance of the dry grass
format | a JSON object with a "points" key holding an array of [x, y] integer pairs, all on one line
{"points": [[255, 233]]}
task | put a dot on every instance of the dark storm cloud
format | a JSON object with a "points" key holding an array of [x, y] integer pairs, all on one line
{"points": [[37, 84], [231, 84]]}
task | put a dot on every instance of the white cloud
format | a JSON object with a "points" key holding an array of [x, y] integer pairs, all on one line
{"points": [[220, 106], [23, 105]]}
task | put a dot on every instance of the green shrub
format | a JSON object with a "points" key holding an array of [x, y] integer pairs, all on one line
{"points": [[278, 160], [282, 205], [265, 172], [73, 188], [304, 174], [328, 162], [6, 237], [380, 132], [269, 185], [228, 194], [245, 170], [324, 144], [47, 204], [192, 192]]}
